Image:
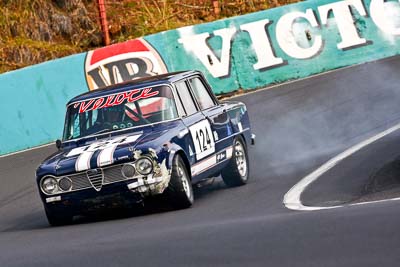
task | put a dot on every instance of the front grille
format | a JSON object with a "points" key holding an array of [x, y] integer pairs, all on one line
{"points": [[113, 174], [96, 178], [80, 181]]}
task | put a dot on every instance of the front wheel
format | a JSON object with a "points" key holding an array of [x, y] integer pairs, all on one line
{"points": [[236, 173], [180, 192]]}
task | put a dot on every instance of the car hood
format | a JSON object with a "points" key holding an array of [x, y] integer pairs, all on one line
{"points": [[102, 152]]}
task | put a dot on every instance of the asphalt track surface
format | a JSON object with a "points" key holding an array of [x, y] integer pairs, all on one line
{"points": [[299, 126]]}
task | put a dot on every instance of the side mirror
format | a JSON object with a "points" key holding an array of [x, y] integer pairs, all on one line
{"points": [[58, 144]]}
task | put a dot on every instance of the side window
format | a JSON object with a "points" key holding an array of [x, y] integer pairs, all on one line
{"points": [[179, 105], [186, 98], [203, 97]]}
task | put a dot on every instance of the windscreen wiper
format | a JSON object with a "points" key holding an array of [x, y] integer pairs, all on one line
{"points": [[102, 131]]}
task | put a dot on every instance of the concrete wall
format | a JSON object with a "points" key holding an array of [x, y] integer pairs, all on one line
{"points": [[247, 52], [32, 102]]}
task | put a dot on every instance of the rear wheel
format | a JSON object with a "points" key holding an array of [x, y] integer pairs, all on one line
{"points": [[58, 219], [179, 191], [237, 171]]}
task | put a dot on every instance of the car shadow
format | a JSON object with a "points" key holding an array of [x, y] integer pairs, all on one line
{"points": [[152, 205], [36, 219], [203, 190]]}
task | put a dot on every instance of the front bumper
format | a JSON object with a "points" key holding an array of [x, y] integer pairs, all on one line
{"points": [[109, 196]]}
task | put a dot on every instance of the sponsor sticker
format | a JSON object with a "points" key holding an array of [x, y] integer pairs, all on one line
{"points": [[114, 100], [221, 156]]}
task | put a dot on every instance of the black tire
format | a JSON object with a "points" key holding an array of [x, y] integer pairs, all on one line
{"points": [[179, 192], [58, 219], [236, 173]]}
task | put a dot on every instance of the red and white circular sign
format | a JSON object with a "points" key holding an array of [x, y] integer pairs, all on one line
{"points": [[122, 62]]}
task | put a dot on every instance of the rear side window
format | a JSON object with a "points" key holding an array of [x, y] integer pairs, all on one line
{"points": [[186, 98], [203, 97], [179, 105]]}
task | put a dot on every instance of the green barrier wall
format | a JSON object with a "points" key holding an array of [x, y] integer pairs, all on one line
{"points": [[32, 102], [380, 41], [248, 52]]}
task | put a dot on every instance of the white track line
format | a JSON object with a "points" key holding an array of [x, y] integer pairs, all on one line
{"points": [[292, 198], [25, 150]]}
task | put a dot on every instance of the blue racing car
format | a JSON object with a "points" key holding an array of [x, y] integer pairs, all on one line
{"points": [[154, 135]]}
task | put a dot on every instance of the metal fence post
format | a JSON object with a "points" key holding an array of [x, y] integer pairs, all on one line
{"points": [[103, 21]]}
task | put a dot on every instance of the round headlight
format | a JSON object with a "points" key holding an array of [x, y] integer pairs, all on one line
{"points": [[65, 184], [144, 166], [49, 185], [128, 170]]}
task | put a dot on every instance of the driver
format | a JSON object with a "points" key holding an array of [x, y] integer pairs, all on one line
{"points": [[113, 116]]}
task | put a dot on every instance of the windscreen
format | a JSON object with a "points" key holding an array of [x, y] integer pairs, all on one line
{"points": [[118, 111]]}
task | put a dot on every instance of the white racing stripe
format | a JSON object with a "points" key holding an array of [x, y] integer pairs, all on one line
{"points": [[211, 161], [83, 161], [106, 155], [292, 198], [204, 165], [229, 151]]}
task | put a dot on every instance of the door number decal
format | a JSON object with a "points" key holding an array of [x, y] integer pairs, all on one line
{"points": [[203, 139]]}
